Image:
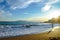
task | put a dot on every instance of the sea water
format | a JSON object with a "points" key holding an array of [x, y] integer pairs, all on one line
{"points": [[17, 30]]}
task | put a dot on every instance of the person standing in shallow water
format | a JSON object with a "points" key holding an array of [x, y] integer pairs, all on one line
{"points": [[52, 25], [52, 28]]}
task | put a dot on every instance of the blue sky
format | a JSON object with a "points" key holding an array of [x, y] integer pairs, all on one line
{"points": [[30, 10]]}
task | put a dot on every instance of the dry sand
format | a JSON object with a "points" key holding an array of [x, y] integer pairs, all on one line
{"points": [[54, 34]]}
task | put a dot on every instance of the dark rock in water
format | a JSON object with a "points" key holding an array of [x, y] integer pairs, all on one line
{"points": [[28, 26]]}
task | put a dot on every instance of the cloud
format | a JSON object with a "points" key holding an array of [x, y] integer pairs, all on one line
{"points": [[52, 1], [46, 8], [20, 3], [49, 5], [5, 5], [1, 1], [5, 14], [14, 4]]}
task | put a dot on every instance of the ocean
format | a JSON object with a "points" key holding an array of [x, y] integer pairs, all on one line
{"points": [[19, 30]]}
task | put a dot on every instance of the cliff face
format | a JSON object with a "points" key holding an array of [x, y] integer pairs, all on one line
{"points": [[53, 20]]}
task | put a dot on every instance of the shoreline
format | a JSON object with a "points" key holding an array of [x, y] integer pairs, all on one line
{"points": [[27, 37], [26, 34], [53, 35]]}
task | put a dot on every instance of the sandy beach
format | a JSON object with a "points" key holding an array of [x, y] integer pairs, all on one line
{"points": [[54, 34]]}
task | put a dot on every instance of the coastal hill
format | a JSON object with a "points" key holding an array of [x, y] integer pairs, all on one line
{"points": [[53, 20]]}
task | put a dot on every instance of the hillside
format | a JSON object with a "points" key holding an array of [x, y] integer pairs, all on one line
{"points": [[53, 20]]}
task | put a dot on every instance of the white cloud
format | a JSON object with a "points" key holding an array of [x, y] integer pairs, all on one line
{"points": [[48, 5], [20, 3], [46, 8], [4, 13], [52, 1], [1, 1]]}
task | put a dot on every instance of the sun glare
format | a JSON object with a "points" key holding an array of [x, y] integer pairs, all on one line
{"points": [[54, 14]]}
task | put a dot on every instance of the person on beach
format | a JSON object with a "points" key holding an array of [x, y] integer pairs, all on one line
{"points": [[51, 29]]}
